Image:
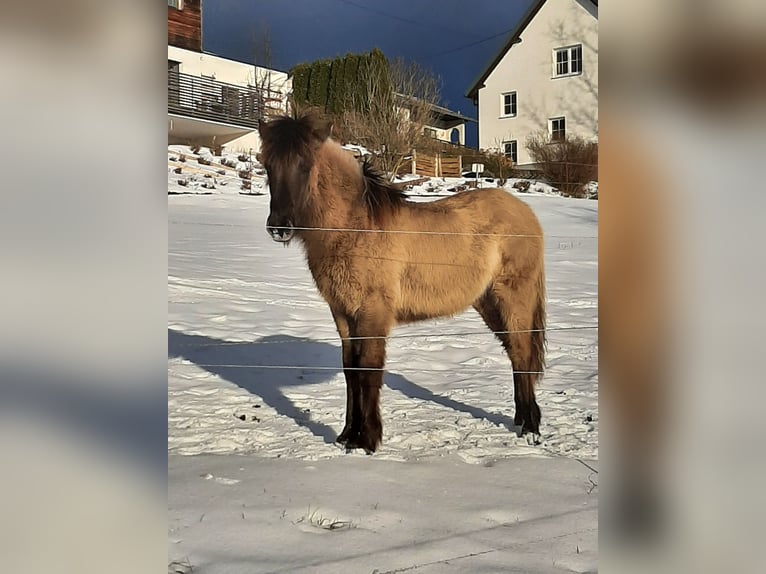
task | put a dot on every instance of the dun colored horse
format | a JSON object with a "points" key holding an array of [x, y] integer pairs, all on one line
{"points": [[380, 260]]}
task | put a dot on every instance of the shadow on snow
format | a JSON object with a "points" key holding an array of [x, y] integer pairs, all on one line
{"points": [[303, 362]]}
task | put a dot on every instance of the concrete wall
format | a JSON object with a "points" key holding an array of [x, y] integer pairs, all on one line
{"points": [[528, 69]]}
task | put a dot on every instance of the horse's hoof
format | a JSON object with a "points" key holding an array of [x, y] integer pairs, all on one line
{"points": [[531, 431], [355, 444], [533, 439], [532, 434], [369, 447], [346, 435], [527, 420]]}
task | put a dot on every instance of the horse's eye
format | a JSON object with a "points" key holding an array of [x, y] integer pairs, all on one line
{"points": [[302, 166]]}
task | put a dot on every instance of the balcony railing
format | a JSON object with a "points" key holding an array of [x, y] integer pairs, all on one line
{"points": [[208, 99]]}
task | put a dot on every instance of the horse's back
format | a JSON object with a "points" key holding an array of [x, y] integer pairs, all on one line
{"points": [[489, 211]]}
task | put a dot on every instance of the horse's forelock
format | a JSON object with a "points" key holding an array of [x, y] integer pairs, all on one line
{"points": [[284, 139], [288, 137]]}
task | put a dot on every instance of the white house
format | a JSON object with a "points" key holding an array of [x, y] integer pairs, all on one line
{"points": [[215, 101], [544, 79]]}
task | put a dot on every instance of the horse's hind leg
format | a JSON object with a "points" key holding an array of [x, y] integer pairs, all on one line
{"points": [[519, 324]]}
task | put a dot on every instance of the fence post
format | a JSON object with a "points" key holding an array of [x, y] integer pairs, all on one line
{"points": [[414, 162]]}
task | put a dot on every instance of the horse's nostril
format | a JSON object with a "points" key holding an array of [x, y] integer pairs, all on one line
{"points": [[282, 232]]}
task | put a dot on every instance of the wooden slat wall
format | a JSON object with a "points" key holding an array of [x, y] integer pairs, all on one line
{"points": [[406, 167], [437, 165], [451, 166], [425, 165], [185, 26]]}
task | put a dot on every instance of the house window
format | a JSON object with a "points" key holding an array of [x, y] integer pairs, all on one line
{"points": [[510, 150], [177, 4], [557, 128], [508, 104], [430, 132], [567, 61]]}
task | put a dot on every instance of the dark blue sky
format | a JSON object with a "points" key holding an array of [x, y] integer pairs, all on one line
{"points": [[455, 39]]}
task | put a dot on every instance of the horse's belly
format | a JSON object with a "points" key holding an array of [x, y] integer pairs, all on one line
{"points": [[430, 297]]}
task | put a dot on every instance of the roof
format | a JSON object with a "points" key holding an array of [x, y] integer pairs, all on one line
{"points": [[445, 117], [513, 38], [450, 114]]}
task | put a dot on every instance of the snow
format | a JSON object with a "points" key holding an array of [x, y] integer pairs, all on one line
{"points": [[256, 397], [358, 150], [365, 514]]}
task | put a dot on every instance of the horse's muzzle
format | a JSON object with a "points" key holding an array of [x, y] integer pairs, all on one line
{"points": [[281, 233]]}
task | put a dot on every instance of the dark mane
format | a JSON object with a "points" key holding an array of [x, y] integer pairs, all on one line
{"points": [[382, 198]]}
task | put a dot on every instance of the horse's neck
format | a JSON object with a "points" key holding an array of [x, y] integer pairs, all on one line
{"points": [[336, 189]]}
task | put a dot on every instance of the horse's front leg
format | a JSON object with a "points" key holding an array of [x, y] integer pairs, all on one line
{"points": [[372, 328], [350, 364]]}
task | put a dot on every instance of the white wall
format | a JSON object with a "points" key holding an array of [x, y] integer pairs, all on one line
{"points": [[238, 73], [441, 134], [527, 69], [445, 135], [223, 70]]}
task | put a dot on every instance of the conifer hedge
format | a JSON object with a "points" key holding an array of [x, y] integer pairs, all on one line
{"points": [[333, 84]]}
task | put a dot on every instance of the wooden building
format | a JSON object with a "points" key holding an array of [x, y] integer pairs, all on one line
{"points": [[185, 24]]}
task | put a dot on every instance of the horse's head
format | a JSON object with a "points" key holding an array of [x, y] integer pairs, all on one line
{"points": [[288, 149]]}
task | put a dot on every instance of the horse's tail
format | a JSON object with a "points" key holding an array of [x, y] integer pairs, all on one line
{"points": [[537, 360]]}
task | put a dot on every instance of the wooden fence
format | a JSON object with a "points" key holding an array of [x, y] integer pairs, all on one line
{"points": [[436, 165]]}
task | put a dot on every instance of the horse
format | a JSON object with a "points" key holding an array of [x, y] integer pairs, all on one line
{"points": [[379, 260]]}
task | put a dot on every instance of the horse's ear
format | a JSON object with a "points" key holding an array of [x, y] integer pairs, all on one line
{"points": [[263, 128], [323, 129]]}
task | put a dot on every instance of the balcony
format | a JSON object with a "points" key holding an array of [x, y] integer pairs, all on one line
{"points": [[206, 99]]}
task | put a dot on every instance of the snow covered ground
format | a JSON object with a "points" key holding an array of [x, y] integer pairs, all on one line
{"points": [[361, 514], [254, 374]]}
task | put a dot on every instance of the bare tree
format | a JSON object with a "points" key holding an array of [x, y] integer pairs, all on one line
{"points": [[269, 89], [568, 164], [390, 112], [263, 54]]}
